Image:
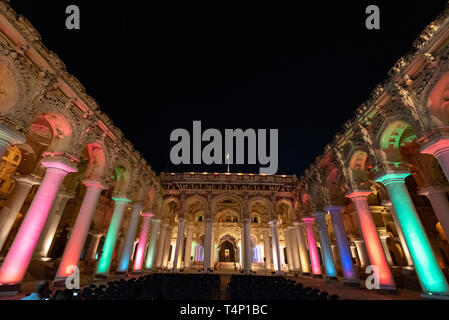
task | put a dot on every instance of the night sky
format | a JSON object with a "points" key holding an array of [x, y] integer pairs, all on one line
{"points": [[301, 69]]}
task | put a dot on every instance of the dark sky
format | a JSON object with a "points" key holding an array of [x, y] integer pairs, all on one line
{"points": [[301, 69]]}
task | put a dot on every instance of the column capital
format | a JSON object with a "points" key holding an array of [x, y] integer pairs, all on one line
{"points": [[66, 194], [298, 223], [389, 177], [10, 137], [436, 147], [317, 214], [94, 184], [61, 164], [426, 191], [27, 178], [273, 222], [354, 194], [308, 220], [121, 200], [149, 214], [137, 204], [334, 209]]}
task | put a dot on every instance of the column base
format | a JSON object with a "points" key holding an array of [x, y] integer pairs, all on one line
{"points": [[351, 283], [332, 279], [121, 274], [137, 273], [434, 296], [59, 282], [317, 276], [306, 274], [387, 290], [101, 276], [7, 290]]}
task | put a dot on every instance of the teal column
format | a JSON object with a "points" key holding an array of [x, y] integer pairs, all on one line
{"points": [[329, 266], [429, 273], [104, 264]]}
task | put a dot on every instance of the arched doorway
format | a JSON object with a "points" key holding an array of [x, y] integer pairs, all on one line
{"points": [[227, 252]]}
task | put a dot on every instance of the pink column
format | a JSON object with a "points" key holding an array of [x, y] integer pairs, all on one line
{"points": [[374, 248], [9, 213], [74, 247], [313, 250], [140, 252], [16, 262]]}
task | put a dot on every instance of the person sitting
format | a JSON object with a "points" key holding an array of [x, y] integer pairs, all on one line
{"points": [[41, 292]]}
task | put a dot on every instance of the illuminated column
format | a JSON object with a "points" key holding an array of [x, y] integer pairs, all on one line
{"points": [[212, 246], [179, 244], [51, 225], [326, 251], [383, 239], [247, 245], [10, 211], [295, 249], [142, 243], [8, 138], [372, 243], [78, 236], [290, 263], [151, 260], [207, 245], [161, 245], [350, 276], [313, 250], [429, 273], [276, 246], [130, 237], [92, 246], [111, 238], [362, 252], [19, 255], [266, 248], [167, 245], [440, 204], [188, 249], [303, 255], [400, 233]]}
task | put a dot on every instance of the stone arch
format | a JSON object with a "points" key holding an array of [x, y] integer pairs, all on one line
{"points": [[123, 177], [396, 133], [436, 98], [358, 164], [170, 209], [290, 217], [56, 128], [194, 206], [9, 92], [216, 200], [334, 181], [316, 195], [16, 78], [261, 206]]}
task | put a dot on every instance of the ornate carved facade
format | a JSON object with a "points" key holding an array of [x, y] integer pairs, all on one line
{"points": [[74, 191]]}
